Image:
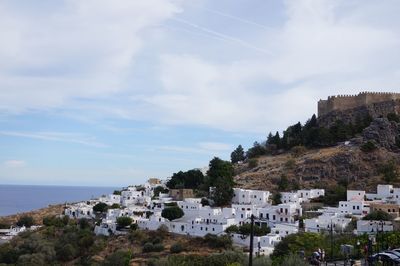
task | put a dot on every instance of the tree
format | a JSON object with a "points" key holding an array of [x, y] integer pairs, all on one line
{"points": [[219, 169], [238, 155], [190, 179], [368, 146], [389, 171], [100, 207], [256, 150], [223, 192], [124, 221], [172, 213], [160, 189], [378, 216], [283, 183], [262, 230], [26, 221], [276, 198], [118, 258], [393, 117]]}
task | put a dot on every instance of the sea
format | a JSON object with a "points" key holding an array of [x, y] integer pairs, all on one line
{"points": [[22, 198]]}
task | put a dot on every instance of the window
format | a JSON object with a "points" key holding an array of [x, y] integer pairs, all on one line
{"points": [[261, 215], [273, 217]]}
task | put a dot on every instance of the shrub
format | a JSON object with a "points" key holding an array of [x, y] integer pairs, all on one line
{"points": [[26, 221], [4, 226], [205, 202], [232, 229], [253, 163], [84, 223], [134, 227], [368, 146], [176, 248], [262, 230], [118, 258], [378, 216], [115, 206], [298, 151], [124, 221], [100, 207], [117, 192], [150, 247], [215, 241], [290, 164], [137, 235], [66, 252], [389, 171], [393, 117], [172, 213]]}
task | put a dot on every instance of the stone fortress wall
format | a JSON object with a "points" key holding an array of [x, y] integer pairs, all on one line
{"points": [[345, 102]]}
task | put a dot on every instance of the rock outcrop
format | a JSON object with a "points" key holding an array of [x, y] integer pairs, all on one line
{"points": [[383, 132]]}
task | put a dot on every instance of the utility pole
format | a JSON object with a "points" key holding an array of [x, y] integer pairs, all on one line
{"points": [[331, 234], [251, 240]]}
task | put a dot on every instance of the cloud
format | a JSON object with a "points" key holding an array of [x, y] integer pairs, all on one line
{"points": [[57, 136], [81, 57], [51, 56], [14, 163]]}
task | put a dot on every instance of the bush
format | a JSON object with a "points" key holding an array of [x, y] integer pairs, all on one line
{"points": [[66, 252], [253, 163], [124, 221], [368, 146], [150, 247], [118, 258], [378, 216], [134, 227], [393, 117], [26, 221], [172, 213], [115, 206], [232, 229], [100, 207], [389, 171], [84, 223], [290, 164], [176, 248], [56, 221], [298, 151], [137, 236], [215, 241], [262, 230]]}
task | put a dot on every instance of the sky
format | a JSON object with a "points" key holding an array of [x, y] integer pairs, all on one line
{"points": [[110, 93]]}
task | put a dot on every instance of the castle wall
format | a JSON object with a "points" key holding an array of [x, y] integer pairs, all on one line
{"points": [[346, 102]]}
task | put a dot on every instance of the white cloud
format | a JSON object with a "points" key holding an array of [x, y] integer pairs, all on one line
{"points": [[14, 163], [76, 138], [78, 49], [320, 48]]}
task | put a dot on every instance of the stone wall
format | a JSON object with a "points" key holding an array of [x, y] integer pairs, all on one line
{"points": [[346, 102], [354, 115]]}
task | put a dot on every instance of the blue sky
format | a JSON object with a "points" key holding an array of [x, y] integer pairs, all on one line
{"points": [[110, 93]]}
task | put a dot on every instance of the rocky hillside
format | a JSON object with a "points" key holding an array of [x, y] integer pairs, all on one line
{"points": [[347, 162]]}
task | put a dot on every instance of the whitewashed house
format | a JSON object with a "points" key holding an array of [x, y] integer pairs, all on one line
{"points": [[79, 210], [281, 213], [249, 196], [307, 194], [372, 227], [325, 222]]}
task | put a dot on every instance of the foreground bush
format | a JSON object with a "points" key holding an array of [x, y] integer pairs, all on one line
{"points": [[118, 258]]}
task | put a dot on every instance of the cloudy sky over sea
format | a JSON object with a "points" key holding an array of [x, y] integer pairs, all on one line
{"points": [[96, 92]]}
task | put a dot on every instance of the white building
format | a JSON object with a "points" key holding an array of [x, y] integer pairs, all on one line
{"points": [[249, 196], [79, 210], [372, 227], [325, 222]]}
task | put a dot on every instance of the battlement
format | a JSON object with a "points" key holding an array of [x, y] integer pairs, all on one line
{"points": [[345, 102]]}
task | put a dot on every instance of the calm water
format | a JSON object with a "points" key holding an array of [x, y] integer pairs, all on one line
{"points": [[19, 198]]}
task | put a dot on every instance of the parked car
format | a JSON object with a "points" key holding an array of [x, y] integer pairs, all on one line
{"points": [[386, 258], [394, 252]]}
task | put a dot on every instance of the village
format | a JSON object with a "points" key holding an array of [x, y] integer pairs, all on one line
{"points": [[144, 206]]}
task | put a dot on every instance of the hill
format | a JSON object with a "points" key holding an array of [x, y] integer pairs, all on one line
{"points": [[350, 163]]}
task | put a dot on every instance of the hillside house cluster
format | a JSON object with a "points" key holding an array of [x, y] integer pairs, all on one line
{"points": [[145, 209]]}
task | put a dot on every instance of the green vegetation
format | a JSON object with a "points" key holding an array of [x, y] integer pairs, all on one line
{"points": [[253, 163], [238, 155], [389, 171], [283, 183], [100, 207], [378, 216], [26, 221], [368, 146], [118, 258], [393, 117], [124, 221], [189, 179], [298, 137], [333, 195], [115, 206], [172, 213], [177, 248], [117, 192], [160, 189], [55, 221], [259, 230], [214, 241], [220, 176]]}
